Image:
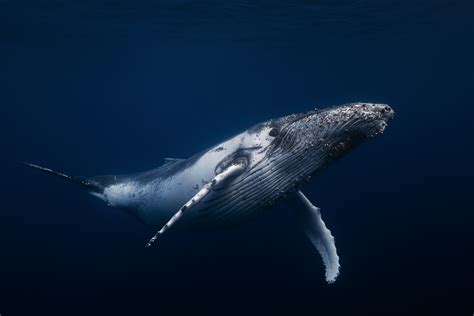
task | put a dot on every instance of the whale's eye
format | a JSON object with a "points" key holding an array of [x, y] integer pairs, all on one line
{"points": [[241, 156], [274, 132]]}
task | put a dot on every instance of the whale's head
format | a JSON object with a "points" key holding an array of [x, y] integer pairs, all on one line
{"points": [[335, 131], [309, 141]]}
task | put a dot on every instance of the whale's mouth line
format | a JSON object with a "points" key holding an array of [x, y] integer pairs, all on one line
{"points": [[378, 127]]}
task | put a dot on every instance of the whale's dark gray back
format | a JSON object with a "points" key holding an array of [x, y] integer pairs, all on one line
{"points": [[169, 168]]}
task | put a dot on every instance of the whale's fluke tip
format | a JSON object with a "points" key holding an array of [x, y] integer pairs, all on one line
{"points": [[88, 184]]}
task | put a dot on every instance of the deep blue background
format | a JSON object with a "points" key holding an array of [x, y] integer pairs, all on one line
{"points": [[99, 87]]}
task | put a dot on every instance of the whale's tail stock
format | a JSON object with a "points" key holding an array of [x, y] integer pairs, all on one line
{"points": [[90, 185]]}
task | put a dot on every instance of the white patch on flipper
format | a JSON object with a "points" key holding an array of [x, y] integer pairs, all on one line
{"points": [[319, 235], [206, 189]]}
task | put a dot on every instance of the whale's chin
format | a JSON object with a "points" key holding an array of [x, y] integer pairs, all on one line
{"points": [[377, 127]]}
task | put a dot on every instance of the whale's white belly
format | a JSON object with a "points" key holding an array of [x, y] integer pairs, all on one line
{"points": [[156, 201]]}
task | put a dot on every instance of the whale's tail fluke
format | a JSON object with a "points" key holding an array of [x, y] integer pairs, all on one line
{"points": [[91, 186]]}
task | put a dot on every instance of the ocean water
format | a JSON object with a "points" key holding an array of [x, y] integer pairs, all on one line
{"points": [[100, 87]]}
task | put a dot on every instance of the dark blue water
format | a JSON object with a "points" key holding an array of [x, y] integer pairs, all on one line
{"points": [[98, 87]]}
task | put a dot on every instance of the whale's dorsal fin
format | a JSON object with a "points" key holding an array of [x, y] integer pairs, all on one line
{"points": [[309, 217], [168, 160], [172, 161], [229, 171]]}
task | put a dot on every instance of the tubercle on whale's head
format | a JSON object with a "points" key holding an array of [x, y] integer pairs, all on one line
{"points": [[341, 128], [329, 133], [362, 120]]}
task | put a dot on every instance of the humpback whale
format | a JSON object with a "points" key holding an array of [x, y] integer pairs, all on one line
{"points": [[246, 175]]}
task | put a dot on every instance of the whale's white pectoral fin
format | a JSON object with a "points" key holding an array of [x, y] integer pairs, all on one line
{"points": [[309, 216], [231, 170]]}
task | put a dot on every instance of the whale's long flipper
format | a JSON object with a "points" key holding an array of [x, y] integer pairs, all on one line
{"points": [[309, 216], [230, 171]]}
